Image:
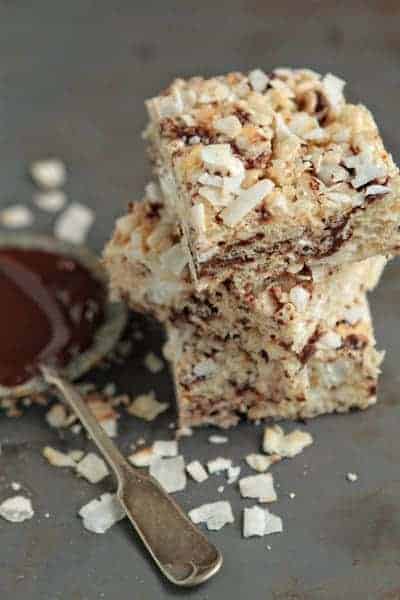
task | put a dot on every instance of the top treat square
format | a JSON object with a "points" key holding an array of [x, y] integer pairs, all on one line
{"points": [[268, 173]]}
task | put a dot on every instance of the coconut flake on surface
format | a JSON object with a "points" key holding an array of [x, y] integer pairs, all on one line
{"points": [[258, 80], [197, 471], [215, 515], [232, 474], [101, 514], [74, 223], [260, 462], [259, 521], [57, 416], [352, 477], [93, 468], [219, 157], [165, 448], [51, 201], [246, 201], [366, 170], [76, 455], [330, 341], [218, 439], [230, 126], [16, 509], [48, 174], [147, 407], [110, 426], [142, 458], [300, 297], [276, 442], [57, 458], [377, 190], [153, 363], [170, 473], [16, 217], [15, 486], [260, 487], [333, 88], [217, 465], [198, 217]]}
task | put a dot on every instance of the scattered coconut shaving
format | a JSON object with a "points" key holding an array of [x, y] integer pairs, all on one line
{"points": [[74, 223], [93, 468], [215, 515], [99, 515], [233, 474], [170, 473], [165, 448], [142, 457], [17, 216], [147, 407], [49, 174], [217, 465], [352, 477], [218, 439], [16, 509], [285, 445], [260, 487], [51, 201], [57, 458], [57, 416], [260, 462], [153, 363], [197, 471], [259, 521]]}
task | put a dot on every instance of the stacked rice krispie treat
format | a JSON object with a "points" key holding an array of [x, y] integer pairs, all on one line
{"points": [[276, 207]]}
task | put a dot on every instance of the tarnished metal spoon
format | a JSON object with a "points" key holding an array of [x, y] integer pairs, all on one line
{"points": [[182, 553]]}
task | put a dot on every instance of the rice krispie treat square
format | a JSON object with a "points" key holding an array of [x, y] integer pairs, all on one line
{"points": [[271, 172]]}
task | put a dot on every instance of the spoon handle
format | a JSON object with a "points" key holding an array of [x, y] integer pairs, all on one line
{"points": [[180, 550]]}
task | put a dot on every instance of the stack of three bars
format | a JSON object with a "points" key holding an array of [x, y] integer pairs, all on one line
{"points": [[276, 207]]}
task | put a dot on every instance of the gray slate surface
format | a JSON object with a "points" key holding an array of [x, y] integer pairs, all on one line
{"points": [[73, 77]]}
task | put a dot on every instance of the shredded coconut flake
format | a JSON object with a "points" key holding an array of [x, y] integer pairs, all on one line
{"points": [[93, 468], [330, 340], [147, 407], [333, 88], [99, 515], [215, 515], [170, 473], [232, 474], [300, 297], [260, 462], [57, 458], [197, 471], [74, 223], [153, 363], [218, 439], [377, 190], [51, 201], [16, 217], [198, 217], [258, 486], [230, 126], [246, 201], [49, 174], [165, 448], [142, 458], [258, 80], [276, 442], [259, 521], [217, 465], [16, 509], [352, 477]]}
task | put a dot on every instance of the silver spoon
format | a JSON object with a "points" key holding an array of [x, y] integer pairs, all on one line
{"points": [[182, 553]]}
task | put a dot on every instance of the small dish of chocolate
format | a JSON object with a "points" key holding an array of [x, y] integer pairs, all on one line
{"points": [[54, 310]]}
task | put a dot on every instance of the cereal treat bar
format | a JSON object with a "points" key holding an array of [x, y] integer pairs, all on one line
{"points": [[270, 173], [218, 381], [147, 266]]}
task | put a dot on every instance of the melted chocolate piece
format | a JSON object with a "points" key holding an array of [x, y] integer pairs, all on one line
{"points": [[50, 308]]}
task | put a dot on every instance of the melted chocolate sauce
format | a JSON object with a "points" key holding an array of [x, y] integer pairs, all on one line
{"points": [[50, 308]]}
